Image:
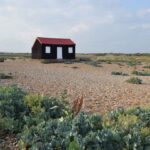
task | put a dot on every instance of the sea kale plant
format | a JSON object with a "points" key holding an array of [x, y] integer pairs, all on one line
{"points": [[46, 123]]}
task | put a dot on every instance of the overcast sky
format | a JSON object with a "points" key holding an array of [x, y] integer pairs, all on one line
{"points": [[95, 25]]}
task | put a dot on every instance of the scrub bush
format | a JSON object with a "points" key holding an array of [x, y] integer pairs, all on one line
{"points": [[2, 59], [141, 73], [94, 63], [148, 67], [118, 73], [4, 76], [134, 80]]}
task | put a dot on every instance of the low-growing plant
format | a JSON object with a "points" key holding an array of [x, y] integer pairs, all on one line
{"points": [[145, 131], [148, 67], [2, 123], [109, 62], [12, 107], [2, 59], [141, 73], [134, 80], [46, 123], [64, 96], [84, 59], [12, 58], [34, 103], [119, 73], [46, 61], [133, 63], [127, 121], [4, 76], [94, 63]]}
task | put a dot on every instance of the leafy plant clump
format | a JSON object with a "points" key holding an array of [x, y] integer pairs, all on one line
{"points": [[133, 63], [118, 73], [134, 80], [94, 63], [46, 61], [47, 123], [2, 59], [148, 67], [4, 76], [141, 73]]}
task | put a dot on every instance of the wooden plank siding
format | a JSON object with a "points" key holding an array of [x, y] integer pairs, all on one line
{"points": [[39, 51]]}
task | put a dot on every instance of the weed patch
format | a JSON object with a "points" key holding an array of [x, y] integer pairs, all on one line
{"points": [[119, 73], [134, 80], [2, 59], [148, 67], [94, 63], [141, 73], [4, 76]]}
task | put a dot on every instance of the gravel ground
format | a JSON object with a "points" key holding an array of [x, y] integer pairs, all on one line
{"points": [[101, 90]]}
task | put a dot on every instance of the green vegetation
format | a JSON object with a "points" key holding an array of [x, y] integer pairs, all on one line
{"points": [[119, 73], [14, 55], [148, 67], [45, 61], [68, 62], [93, 63], [130, 59], [133, 63], [4, 76], [134, 80], [47, 123], [141, 73], [2, 59], [49, 61]]}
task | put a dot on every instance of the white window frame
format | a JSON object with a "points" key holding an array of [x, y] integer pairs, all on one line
{"points": [[70, 50], [47, 50]]}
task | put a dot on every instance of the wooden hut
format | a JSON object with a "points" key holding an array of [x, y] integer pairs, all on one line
{"points": [[53, 48]]}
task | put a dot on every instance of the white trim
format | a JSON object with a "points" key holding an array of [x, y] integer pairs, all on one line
{"points": [[70, 50], [47, 49]]}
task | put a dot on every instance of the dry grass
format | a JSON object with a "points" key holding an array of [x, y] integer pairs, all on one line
{"points": [[117, 57], [77, 105]]}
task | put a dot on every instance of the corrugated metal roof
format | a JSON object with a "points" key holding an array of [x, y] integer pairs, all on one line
{"points": [[55, 41]]}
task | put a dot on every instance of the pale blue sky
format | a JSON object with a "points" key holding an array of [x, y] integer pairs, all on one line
{"points": [[95, 25]]}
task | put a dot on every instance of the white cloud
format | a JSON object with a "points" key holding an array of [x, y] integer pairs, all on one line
{"points": [[93, 24], [144, 12], [78, 28], [140, 26]]}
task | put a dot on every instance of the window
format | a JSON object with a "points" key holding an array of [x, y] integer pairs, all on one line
{"points": [[70, 50], [47, 49]]}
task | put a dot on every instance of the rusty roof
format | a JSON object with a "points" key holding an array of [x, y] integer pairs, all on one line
{"points": [[55, 41]]}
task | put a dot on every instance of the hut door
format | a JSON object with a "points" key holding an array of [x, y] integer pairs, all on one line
{"points": [[59, 53]]}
